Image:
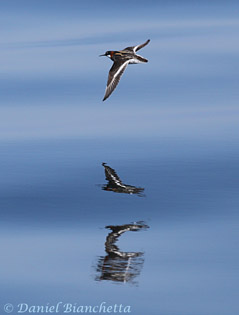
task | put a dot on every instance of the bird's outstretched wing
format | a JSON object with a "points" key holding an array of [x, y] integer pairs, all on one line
{"points": [[115, 74], [138, 47], [111, 176]]}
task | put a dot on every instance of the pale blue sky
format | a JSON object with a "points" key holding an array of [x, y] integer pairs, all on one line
{"points": [[52, 80]]}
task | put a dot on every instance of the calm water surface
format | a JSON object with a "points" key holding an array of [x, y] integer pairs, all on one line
{"points": [[54, 213]]}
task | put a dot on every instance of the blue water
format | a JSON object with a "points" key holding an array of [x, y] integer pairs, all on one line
{"points": [[170, 127]]}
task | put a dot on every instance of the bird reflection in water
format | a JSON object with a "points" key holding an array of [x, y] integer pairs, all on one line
{"points": [[118, 266], [115, 184]]}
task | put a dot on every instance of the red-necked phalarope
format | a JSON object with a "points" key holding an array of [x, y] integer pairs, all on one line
{"points": [[121, 60]]}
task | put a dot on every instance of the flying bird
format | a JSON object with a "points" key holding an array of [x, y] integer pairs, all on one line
{"points": [[116, 185], [121, 60]]}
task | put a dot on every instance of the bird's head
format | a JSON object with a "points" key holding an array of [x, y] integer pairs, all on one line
{"points": [[107, 54]]}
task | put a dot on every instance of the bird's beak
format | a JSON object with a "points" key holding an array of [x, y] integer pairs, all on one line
{"points": [[101, 55]]}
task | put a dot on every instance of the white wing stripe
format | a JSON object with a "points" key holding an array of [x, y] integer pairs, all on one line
{"points": [[120, 68], [116, 74]]}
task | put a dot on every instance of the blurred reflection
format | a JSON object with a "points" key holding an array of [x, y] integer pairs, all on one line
{"points": [[115, 184], [120, 266]]}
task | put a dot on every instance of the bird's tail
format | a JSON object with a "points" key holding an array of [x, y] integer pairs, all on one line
{"points": [[141, 59]]}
